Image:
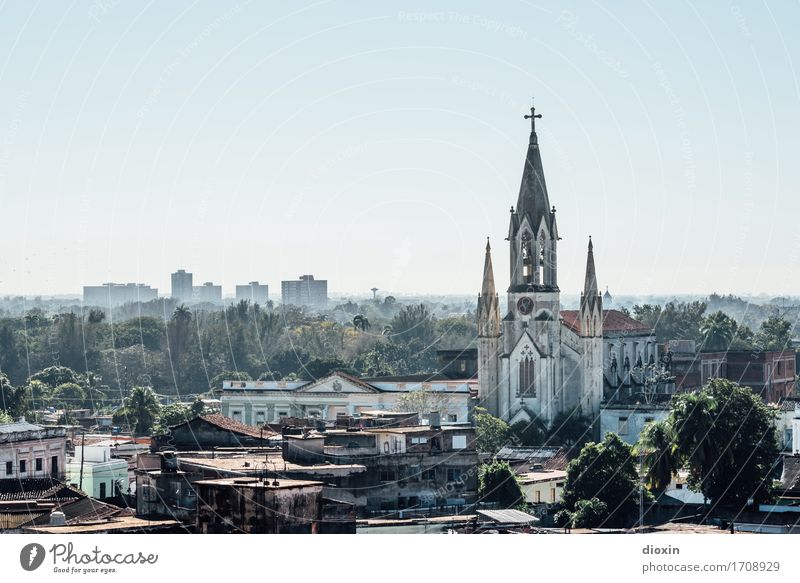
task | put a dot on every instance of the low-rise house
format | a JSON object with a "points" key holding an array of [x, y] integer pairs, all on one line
{"points": [[543, 486], [31, 451], [628, 420], [210, 431], [94, 470], [253, 505], [525, 459]]}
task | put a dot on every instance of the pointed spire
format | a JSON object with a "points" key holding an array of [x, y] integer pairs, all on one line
{"points": [[487, 288], [590, 283], [533, 201]]}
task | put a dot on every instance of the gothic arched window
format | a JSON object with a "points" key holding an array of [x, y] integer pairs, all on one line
{"points": [[527, 387], [542, 260]]}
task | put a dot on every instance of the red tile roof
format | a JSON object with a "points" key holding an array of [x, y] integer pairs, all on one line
{"points": [[613, 321], [228, 424]]}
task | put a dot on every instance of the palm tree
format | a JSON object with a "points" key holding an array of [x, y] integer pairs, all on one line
{"points": [[360, 322], [141, 409], [718, 331], [693, 416], [661, 460]]}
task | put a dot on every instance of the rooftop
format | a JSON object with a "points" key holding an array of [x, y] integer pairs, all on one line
{"points": [[507, 516], [255, 483], [613, 321]]}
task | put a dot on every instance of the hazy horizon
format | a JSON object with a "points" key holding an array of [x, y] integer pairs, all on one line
{"points": [[379, 147]]}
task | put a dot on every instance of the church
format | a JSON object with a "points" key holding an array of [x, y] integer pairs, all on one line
{"points": [[538, 360]]}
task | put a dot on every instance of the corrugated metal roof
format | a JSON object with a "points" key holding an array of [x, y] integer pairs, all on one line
{"points": [[508, 516]]}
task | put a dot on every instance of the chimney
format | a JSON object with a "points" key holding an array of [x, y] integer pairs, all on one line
{"points": [[434, 420]]}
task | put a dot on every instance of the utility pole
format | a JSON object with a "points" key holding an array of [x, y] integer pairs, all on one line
{"points": [[83, 450]]}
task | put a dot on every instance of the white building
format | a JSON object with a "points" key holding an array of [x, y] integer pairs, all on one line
{"points": [[259, 402], [116, 294], [627, 421], [31, 451], [306, 291], [254, 292], [182, 288], [100, 475], [207, 293]]}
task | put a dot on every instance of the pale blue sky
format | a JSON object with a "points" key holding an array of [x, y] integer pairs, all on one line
{"points": [[378, 146]]}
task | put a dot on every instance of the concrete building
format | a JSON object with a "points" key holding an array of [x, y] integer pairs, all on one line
{"points": [[207, 293], [96, 472], [628, 420], [307, 291], [109, 295], [182, 288], [542, 486], [32, 451], [211, 431], [538, 360], [254, 292], [252, 505], [259, 402], [769, 374]]}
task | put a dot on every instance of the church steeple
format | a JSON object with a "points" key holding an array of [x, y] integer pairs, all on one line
{"points": [[533, 201], [488, 301], [591, 301], [532, 231], [487, 288], [590, 282]]}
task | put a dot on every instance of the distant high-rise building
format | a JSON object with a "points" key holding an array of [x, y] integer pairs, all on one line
{"points": [[307, 291], [208, 292], [116, 294], [182, 286], [254, 292]]}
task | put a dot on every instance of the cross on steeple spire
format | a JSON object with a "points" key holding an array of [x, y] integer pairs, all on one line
{"points": [[533, 117]]}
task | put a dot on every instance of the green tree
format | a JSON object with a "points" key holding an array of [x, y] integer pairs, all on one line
{"points": [[530, 433], [725, 435], [589, 513], [661, 461], [5, 418], [674, 320], [12, 400], [498, 483], [140, 410], [491, 433], [424, 401], [53, 376], [413, 322], [775, 333], [172, 414], [69, 395], [605, 471], [570, 429], [718, 331]]}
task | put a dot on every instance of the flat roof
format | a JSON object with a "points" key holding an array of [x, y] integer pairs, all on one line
{"points": [[508, 516], [119, 523], [534, 477], [257, 483]]}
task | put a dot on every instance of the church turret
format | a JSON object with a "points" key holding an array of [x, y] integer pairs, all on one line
{"points": [[488, 337], [591, 318]]}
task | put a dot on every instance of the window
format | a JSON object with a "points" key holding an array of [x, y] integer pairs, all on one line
{"points": [[552, 495], [459, 442], [102, 490], [9, 468], [38, 464], [679, 486], [387, 476], [538, 497], [22, 468], [649, 420], [453, 474], [526, 387], [236, 415], [260, 417], [623, 426], [282, 414], [452, 418], [429, 474], [54, 464], [419, 440]]}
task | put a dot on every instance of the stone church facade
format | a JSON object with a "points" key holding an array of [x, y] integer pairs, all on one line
{"points": [[537, 361]]}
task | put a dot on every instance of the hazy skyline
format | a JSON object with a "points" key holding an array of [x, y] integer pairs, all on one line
{"points": [[373, 146]]}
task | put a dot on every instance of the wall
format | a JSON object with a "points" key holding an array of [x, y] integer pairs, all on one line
{"points": [[637, 418], [30, 450]]}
